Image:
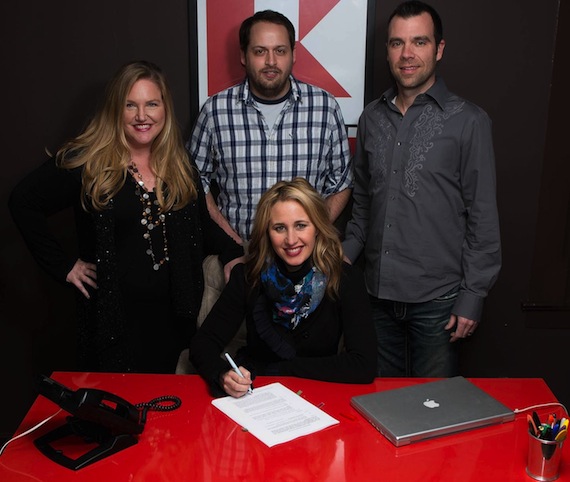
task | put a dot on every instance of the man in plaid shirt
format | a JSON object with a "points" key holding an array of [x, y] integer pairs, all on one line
{"points": [[269, 128]]}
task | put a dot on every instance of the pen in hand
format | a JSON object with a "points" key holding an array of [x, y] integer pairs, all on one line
{"points": [[236, 369]]}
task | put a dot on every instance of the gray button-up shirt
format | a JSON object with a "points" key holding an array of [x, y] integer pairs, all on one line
{"points": [[424, 207]]}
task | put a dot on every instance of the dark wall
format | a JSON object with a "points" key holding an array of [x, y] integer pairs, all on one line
{"points": [[56, 57]]}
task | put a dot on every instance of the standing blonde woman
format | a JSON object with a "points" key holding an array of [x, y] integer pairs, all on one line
{"points": [[142, 224], [298, 297]]}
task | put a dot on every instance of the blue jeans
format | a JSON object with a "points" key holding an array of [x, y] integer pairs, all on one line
{"points": [[412, 341]]}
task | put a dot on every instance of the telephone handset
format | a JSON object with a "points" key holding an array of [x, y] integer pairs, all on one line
{"points": [[98, 406]]}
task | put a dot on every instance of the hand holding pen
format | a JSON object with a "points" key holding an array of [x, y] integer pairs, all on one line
{"points": [[236, 386]]}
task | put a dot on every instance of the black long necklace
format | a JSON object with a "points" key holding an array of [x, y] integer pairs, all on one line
{"points": [[147, 220]]}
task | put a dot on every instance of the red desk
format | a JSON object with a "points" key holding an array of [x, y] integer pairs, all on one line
{"points": [[199, 443]]}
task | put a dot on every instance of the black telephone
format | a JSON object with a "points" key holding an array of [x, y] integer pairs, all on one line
{"points": [[96, 416]]}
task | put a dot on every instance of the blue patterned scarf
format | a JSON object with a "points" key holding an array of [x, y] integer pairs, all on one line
{"points": [[293, 301]]}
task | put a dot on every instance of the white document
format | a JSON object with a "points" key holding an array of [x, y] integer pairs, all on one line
{"points": [[274, 414]]}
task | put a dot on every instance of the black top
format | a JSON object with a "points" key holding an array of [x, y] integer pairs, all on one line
{"points": [[140, 318], [315, 340]]}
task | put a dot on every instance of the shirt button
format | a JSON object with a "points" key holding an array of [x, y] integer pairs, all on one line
{"points": [[395, 171], [388, 225], [386, 252], [399, 143]]}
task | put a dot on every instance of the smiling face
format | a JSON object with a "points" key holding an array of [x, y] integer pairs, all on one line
{"points": [[292, 233], [143, 114], [413, 53], [268, 60]]}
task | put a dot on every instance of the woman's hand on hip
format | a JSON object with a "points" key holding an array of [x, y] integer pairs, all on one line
{"points": [[81, 274]]}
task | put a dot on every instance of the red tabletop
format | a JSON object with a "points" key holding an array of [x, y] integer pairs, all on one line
{"points": [[199, 443]]}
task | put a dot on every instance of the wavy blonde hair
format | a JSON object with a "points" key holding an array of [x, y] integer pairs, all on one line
{"points": [[103, 152], [326, 256]]}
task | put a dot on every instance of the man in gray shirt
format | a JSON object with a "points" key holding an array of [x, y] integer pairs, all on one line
{"points": [[424, 210]]}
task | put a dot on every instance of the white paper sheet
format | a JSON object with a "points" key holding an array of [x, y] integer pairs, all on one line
{"points": [[274, 414]]}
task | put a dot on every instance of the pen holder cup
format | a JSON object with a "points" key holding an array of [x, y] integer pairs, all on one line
{"points": [[543, 458]]}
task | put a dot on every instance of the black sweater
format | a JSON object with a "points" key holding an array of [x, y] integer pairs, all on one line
{"points": [[315, 340], [117, 328]]}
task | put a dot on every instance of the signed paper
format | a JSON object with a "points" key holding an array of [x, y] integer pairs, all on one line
{"points": [[274, 414]]}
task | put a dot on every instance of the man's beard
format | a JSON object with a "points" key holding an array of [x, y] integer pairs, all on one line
{"points": [[269, 89]]}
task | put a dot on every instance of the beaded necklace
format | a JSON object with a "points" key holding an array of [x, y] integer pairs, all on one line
{"points": [[147, 219]]}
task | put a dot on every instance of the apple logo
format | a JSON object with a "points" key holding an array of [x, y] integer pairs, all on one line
{"points": [[431, 403]]}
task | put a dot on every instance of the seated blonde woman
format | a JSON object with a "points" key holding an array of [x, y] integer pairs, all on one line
{"points": [[298, 297]]}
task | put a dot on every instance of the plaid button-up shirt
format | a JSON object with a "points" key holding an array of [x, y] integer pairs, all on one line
{"points": [[233, 144]]}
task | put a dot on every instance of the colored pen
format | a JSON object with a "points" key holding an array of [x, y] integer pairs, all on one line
{"points": [[236, 369], [533, 429], [561, 435]]}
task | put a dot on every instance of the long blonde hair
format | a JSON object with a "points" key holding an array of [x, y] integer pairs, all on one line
{"points": [[327, 255], [103, 151]]}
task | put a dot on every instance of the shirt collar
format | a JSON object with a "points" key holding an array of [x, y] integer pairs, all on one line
{"points": [[438, 92], [244, 94]]}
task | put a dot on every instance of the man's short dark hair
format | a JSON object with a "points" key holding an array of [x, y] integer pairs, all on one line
{"points": [[414, 8], [265, 16]]}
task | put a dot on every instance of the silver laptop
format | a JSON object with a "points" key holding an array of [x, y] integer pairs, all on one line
{"points": [[430, 409]]}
